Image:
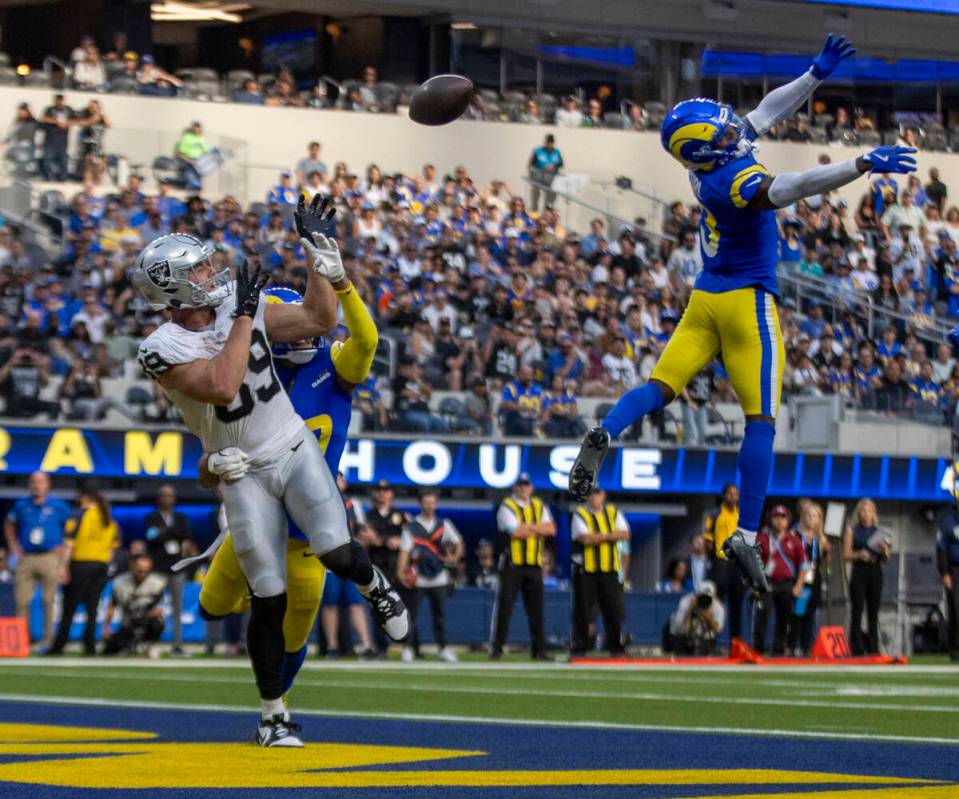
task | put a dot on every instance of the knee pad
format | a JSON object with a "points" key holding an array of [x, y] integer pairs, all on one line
{"points": [[268, 586]]}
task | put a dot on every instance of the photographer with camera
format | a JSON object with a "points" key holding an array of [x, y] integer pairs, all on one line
{"points": [[696, 622], [137, 594], [22, 378], [430, 549]]}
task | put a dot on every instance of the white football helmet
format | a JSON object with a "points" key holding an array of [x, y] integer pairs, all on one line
{"points": [[164, 273]]}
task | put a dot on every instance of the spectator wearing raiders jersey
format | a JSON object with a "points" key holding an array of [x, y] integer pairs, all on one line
{"points": [[785, 558], [430, 548]]}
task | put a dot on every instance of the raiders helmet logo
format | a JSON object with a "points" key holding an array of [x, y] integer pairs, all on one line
{"points": [[160, 274]]}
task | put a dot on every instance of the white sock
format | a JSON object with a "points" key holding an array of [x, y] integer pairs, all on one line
{"points": [[749, 537], [271, 707]]}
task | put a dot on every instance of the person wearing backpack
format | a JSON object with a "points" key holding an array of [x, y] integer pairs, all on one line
{"points": [[430, 547], [785, 558]]}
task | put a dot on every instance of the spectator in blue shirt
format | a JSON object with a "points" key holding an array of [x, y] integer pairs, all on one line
{"points": [[926, 398], [284, 192], [867, 377], [566, 361], [544, 166], [889, 347], [814, 323], [34, 532], [591, 243], [560, 415], [520, 404]]}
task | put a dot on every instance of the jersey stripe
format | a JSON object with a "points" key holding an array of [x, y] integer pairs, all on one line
{"points": [[776, 367], [765, 368]]}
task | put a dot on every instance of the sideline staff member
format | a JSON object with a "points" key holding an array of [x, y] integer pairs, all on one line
{"points": [[721, 524], [947, 559], [597, 528], [34, 532], [91, 538], [524, 522]]}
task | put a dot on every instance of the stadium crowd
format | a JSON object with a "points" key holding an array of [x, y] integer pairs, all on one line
{"points": [[117, 68], [491, 299]]}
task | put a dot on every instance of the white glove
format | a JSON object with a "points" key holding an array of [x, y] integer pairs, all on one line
{"points": [[325, 256], [230, 463]]}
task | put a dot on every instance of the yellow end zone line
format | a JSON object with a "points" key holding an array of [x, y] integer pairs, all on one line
{"points": [[103, 702], [908, 706]]}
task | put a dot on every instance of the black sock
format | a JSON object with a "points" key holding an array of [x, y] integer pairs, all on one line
{"points": [[350, 562], [264, 641]]}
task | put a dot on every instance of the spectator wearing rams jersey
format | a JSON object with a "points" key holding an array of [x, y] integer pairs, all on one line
{"points": [[597, 528], [785, 558], [560, 416], [721, 524], [91, 537], [524, 522], [520, 404], [429, 548]]}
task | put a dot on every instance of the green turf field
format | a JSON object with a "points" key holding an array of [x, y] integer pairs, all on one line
{"points": [[898, 703]]}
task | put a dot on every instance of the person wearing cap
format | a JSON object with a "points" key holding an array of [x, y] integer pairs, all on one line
{"points": [[696, 623], [430, 548], [384, 529], [524, 522], [190, 148], [597, 528], [785, 558], [283, 193], [90, 539], [906, 212], [544, 165]]}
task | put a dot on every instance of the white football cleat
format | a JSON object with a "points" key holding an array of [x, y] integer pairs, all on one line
{"points": [[278, 731]]}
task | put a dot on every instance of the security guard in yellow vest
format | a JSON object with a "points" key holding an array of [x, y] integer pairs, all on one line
{"points": [[524, 523], [597, 528], [720, 524]]}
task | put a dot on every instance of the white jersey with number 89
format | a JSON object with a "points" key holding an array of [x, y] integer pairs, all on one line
{"points": [[260, 420]]}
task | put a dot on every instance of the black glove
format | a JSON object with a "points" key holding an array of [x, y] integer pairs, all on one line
{"points": [[248, 289], [318, 218]]}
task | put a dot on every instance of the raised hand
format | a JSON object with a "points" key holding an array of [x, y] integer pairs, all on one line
{"points": [[248, 287], [833, 53], [894, 159], [325, 257], [318, 218]]}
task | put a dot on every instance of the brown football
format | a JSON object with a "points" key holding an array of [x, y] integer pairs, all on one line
{"points": [[441, 99]]}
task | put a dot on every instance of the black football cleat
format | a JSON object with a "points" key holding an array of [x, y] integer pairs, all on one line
{"points": [[278, 731], [748, 559], [388, 609], [582, 477]]}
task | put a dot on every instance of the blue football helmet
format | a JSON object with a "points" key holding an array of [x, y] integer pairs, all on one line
{"points": [[296, 353], [695, 134]]}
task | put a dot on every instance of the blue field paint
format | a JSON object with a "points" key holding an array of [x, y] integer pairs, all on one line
{"points": [[506, 749]]}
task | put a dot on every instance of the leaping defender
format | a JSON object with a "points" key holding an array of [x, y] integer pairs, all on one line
{"points": [[732, 308], [217, 367]]}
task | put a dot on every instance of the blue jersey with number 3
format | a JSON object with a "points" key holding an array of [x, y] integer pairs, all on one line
{"points": [[740, 246], [325, 407]]}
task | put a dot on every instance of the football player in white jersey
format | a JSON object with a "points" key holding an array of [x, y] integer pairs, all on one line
{"points": [[213, 358]]}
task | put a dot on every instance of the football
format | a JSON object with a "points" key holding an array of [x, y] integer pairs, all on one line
{"points": [[441, 99]]}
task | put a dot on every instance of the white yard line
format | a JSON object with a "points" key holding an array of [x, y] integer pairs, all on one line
{"points": [[621, 696], [432, 717]]}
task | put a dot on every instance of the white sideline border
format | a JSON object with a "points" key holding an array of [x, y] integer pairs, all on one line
{"points": [[455, 719]]}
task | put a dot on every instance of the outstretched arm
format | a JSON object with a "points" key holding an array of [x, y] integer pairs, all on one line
{"points": [[353, 360], [788, 187], [786, 100]]}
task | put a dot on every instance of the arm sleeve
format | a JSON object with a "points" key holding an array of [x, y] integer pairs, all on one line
{"points": [[789, 187], [354, 359], [506, 520], [577, 528], [782, 102]]}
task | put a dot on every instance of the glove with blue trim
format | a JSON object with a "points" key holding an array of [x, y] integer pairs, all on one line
{"points": [[834, 52], [888, 159]]}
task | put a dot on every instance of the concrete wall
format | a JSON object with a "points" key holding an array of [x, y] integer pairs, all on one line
{"points": [[275, 138]]}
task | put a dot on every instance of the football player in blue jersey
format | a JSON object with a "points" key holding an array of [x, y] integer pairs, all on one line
{"points": [[732, 309], [320, 381]]}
